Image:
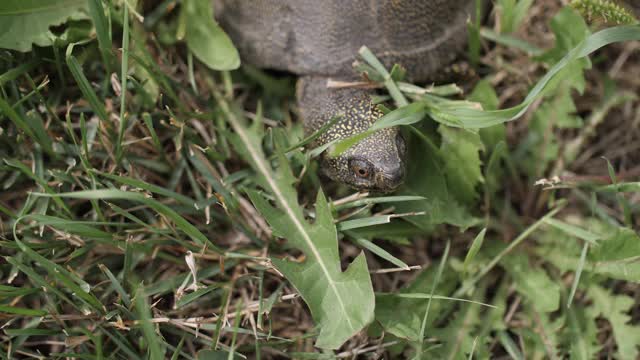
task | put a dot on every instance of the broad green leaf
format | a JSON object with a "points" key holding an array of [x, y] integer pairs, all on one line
{"points": [[615, 308], [484, 94], [402, 316], [341, 303], [27, 22], [206, 39], [617, 256], [460, 152], [426, 178]]}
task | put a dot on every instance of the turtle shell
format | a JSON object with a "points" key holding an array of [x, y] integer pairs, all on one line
{"points": [[311, 37]]}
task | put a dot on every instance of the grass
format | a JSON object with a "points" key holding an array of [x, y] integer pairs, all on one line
{"points": [[152, 207]]}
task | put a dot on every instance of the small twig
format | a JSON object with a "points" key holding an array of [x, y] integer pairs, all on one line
{"points": [[352, 197], [339, 84], [350, 353], [391, 270]]}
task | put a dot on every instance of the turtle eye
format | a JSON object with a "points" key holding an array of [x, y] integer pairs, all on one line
{"points": [[361, 168]]}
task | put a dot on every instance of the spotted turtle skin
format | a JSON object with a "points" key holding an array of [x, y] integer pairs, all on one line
{"points": [[319, 40]]}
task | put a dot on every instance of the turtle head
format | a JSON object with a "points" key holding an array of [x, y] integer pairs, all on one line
{"points": [[376, 163]]}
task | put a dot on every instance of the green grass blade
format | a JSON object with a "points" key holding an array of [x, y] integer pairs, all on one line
{"points": [[84, 85], [123, 84], [34, 129], [366, 244], [525, 234], [377, 200], [61, 274], [21, 311], [574, 231], [116, 285], [475, 247], [423, 326], [111, 194], [25, 170], [576, 279], [318, 241], [155, 346], [191, 297], [103, 32]]}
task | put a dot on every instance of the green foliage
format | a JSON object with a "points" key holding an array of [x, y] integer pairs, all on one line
{"points": [[460, 152], [406, 324], [533, 283], [141, 216], [615, 308], [615, 253], [428, 180], [24, 23], [341, 303], [206, 38], [512, 12]]}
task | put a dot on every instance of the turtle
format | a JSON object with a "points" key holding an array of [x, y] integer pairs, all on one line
{"points": [[319, 40]]}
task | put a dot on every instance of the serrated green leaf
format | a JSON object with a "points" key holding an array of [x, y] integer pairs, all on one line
{"points": [[426, 178], [533, 283], [341, 303], [581, 334], [615, 308], [27, 22], [206, 39]]}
